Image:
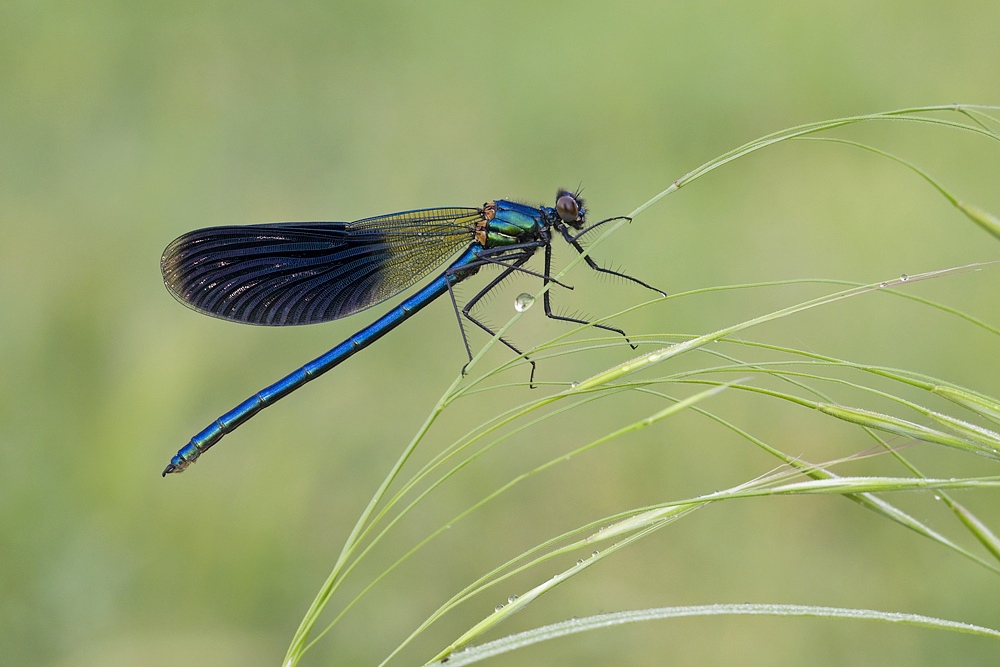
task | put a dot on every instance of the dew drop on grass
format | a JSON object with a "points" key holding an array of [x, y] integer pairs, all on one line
{"points": [[904, 277], [594, 555], [579, 562], [499, 607], [523, 302], [511, 599], [883, 284]]}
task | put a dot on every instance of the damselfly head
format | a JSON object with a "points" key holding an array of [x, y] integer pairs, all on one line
{"points": [[569, 206]]}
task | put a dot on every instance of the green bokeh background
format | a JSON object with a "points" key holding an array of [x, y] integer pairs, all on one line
{"points": [[123, 125]]}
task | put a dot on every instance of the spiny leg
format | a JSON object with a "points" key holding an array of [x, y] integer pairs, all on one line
{"points": [[510, 268], [486, 259], [526, 250], [548, 306], [573, 241], [590, 228]]}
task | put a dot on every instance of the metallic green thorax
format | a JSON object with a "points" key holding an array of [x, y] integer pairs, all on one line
{"points": [[512, 223]]}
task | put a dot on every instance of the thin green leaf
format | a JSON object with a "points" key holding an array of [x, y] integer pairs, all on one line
{"points": [[577, 625], [906, 428]]}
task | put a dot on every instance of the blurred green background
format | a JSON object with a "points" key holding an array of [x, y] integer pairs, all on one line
{"points": [[123, 125]]}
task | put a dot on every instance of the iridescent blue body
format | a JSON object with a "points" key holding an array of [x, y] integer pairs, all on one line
{"points": [[299, 273], [286, 385]]}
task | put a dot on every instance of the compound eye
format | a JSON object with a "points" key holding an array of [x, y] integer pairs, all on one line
{"points": [[568, 208]]}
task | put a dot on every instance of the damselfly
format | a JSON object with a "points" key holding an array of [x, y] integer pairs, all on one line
{"points": [[291, 273]]}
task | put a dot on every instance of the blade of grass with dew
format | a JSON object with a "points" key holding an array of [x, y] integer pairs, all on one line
{"points": [[643, 523], [604, 378], [661, 355], [772, 486], [970, 437], [651, 519], [560, 340], [974, 401], [866, 500], [905, 377], [978, 529], [982, 532], [984, 219], [299, 639], [601, 621], [670, 410], [532, 406]]}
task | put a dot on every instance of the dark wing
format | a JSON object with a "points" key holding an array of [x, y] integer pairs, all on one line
{"points": [[306, 272]]}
